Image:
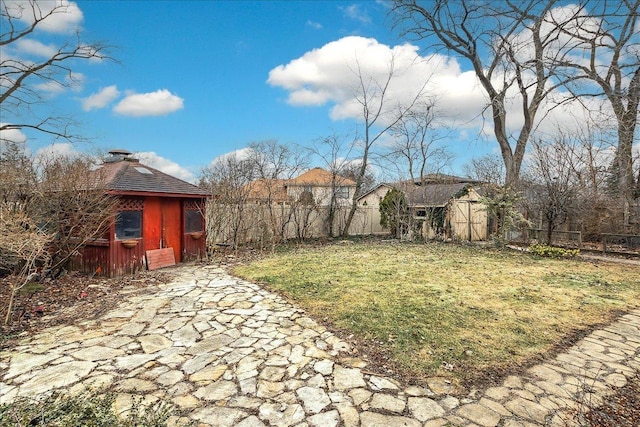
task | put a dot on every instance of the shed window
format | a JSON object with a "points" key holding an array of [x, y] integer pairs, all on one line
{"points": [[129, 225], [193, 221]]}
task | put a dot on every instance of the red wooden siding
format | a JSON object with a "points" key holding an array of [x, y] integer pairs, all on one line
{"points": [[172, 226], [152, 223], [93, 259], [194, 244], [126, 260], [163, 226]]}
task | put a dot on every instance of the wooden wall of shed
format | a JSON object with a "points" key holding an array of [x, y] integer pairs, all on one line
{"points": [[194, 245], [92, 259], [194, 248], [468, 220], [125, 260]]}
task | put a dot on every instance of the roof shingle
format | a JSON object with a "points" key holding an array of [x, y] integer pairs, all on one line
{"points": [[320, 177], [132, 176]]}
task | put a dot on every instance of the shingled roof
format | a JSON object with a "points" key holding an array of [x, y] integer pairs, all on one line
{"points": [[435, 195], [321, 178], [263, 189], [128, 175]]}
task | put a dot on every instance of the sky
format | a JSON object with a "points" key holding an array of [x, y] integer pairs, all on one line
{"points": [[194, 80]]}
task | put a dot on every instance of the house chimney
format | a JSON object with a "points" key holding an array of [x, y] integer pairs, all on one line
{"points": [[118, 155]]}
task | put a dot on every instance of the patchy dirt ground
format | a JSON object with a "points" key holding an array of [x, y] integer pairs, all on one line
{"points": [[621, 410], [39, 305]]}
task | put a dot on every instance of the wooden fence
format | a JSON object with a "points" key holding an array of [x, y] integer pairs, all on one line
{"points": [[564, 238], [621, 243]]}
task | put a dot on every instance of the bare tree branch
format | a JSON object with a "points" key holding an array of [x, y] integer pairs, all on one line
{"points": [[22, 77]]}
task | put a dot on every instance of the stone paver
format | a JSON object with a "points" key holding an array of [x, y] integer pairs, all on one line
{"points": [[228, 353]]}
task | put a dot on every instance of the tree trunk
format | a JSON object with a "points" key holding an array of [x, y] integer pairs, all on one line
{"points": [[627, 119], [354, 200]]}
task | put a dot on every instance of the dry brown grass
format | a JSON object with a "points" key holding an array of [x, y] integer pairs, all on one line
{"points": [[433, 305]]}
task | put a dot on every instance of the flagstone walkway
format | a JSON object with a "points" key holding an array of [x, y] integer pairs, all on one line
{"points": [[229, 353]]}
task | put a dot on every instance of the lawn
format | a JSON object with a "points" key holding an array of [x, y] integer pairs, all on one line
{"points": [[449, 310]]}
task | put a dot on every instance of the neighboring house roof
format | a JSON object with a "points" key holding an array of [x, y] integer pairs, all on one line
{"points": [[264, 189], [428, 195], [320, 178], [389, 186], [433, 190], [276, 189], [130, 176], [435, 195], [436, 178]]}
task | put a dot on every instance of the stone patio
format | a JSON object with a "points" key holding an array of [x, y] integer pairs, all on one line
{"points": [[228, 353]]}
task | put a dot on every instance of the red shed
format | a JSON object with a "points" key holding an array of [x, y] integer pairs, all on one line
{"points": [[155, 211]]}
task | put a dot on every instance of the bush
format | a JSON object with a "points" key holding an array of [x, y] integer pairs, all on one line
{"points": [[89, 408], [552, 252]]}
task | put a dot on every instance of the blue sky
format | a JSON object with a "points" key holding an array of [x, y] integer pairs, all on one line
{"points": [[197, 79], [216, 56]]}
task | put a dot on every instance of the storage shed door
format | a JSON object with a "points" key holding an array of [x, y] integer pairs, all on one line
{"points": [[162, 224], [469, 220], [172, 226]]}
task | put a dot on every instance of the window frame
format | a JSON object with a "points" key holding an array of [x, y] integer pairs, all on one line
{"points": [[187, 213], [137, 234]]}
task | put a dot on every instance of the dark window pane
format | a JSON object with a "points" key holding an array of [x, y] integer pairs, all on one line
{"points": [[193, 221], [342, 192], [129, 225]]}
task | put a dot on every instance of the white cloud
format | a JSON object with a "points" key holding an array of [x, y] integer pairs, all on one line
{"points": [[56, 150], [100, 99], [328, 76], [356, 12], [11, 135], [73, 81], [238, 155], [158, 103], [63, 16], [314, 25], [167, 166], [34, 47], [52, 87]]}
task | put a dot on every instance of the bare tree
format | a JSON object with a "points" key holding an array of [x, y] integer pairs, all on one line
{"points": [[330, 150], [304, 212], [602, 59], [23, 250], [227, 213], [272, 163], [488, 169], [336, 156], [72, 205], [377, 117], [22, 76], [50, 207], [552, 184], [18, 177], [570, 176], [416, 148], [508, 45]]}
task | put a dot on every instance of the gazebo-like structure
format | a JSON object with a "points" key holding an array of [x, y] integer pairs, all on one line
{"points": [[154, 211]]}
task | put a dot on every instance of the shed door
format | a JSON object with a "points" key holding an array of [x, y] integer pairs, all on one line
{"points": [[162, 224], [172, 226], [152, 223], [469, 220]]}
